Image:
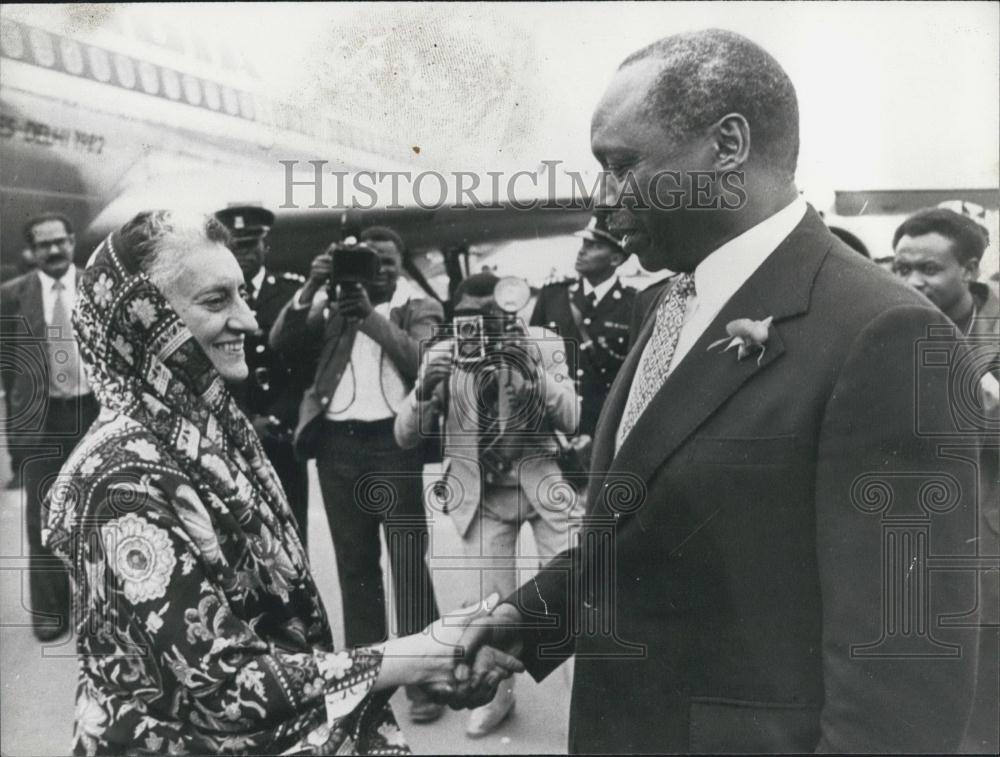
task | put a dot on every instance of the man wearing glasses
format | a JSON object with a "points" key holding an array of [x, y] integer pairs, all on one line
{"points": [[49, 402]]}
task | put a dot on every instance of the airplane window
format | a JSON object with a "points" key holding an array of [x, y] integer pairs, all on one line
{"points": [[72, 57], [231, 101], [192, 90], [99, 64], [149, 78], [41, 46], [212, 99], [124, 70], [246, 105], [171, 84], [11, 41]]}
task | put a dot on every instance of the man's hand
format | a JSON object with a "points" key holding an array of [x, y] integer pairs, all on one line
{"points": [[487, 644], [353, 303], [319, 274], [437, 369]]}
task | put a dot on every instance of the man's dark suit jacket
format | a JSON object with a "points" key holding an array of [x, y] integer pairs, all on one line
{"points": [[300, 333], [752, 508], [24, 363]]}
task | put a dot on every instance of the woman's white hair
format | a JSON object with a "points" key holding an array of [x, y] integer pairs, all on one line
{"points": [[159, 237]]}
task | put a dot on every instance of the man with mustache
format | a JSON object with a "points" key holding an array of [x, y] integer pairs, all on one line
{"points": [[754, 570], [49, 402]]}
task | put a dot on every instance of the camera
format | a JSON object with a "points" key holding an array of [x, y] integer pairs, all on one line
{"points": [[354, 264], [477, 335], [496, 355]]}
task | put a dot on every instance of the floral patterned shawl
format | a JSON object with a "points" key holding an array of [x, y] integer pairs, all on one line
{"points": [[199, 626]]}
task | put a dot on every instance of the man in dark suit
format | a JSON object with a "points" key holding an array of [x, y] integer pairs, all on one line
{"points": [[366, 345], [592, 311], [754, 572], [271, 394], [49, 402]]}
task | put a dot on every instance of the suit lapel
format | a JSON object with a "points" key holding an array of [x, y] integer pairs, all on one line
{"points": [[705, 379], [32, 307]]}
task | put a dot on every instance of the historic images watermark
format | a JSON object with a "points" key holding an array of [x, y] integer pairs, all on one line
{"points": [[311, 184]]}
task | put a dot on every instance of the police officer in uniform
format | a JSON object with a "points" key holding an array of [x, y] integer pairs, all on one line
{"points": [[270, 396], [593, 312]]}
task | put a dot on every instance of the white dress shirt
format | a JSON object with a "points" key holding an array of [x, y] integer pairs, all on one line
{"points": [[372, 388], [49, 294], [601, 289], [719, 276], [258, 281], [77, 384]]}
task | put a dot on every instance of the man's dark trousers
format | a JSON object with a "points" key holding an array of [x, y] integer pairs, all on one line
{"points": [[66, 421], [366, 480]]}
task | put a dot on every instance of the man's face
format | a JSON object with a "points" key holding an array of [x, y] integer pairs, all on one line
{"points": [[597, 258], [390, 265], [53, 247], [206, 291], [928, 264], [250, 256], [628, 141]]}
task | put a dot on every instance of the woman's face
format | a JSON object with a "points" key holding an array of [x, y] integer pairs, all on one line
{"points": [[206, 290]]}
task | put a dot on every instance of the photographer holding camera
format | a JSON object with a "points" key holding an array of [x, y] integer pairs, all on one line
{"points": [[498, 391], [365, 333]]}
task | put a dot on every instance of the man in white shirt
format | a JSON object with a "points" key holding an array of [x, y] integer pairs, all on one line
{"points": [[366, 345], [49, 402], [754, 575]]}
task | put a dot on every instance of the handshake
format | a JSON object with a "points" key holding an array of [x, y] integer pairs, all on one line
{"points": [[461, 659]]}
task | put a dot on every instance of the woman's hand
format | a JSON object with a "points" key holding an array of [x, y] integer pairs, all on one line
{"points": [[430, 657]]}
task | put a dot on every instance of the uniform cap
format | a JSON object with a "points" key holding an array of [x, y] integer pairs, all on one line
{"points": [[246, 222], [597, 231]]}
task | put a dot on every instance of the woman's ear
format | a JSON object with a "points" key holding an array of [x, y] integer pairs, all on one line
{"points": [[732, 142]]}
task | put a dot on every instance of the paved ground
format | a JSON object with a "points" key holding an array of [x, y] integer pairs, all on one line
{"points": [[37, 682]]}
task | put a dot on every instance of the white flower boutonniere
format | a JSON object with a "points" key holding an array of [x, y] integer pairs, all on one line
{"points": [[747, 336]]}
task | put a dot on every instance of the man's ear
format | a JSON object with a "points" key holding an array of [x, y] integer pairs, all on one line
{"points": [[970, 270], [618, 257], [732, 142]]}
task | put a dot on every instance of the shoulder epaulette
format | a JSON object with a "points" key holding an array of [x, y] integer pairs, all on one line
{"points": [[558, 282]]}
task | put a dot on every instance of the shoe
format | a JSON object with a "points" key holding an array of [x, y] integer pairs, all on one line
{"points": [[486, 719], [49, 633], [422, 709]]}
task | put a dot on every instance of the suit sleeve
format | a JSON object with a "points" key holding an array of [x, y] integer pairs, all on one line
{"points": [[295, 333], [560, 396], [538, 313], [881, 695], [8, 310], [403, 345]]}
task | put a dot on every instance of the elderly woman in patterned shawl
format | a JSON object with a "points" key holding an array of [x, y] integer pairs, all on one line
{"points": [[199, 626]]}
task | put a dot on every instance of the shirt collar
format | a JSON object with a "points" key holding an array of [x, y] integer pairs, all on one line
{"points": [[724, 271], [258, 279], [601, 289], [68, 279]]}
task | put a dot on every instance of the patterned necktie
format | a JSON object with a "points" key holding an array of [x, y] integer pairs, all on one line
{"points": [[656, 357], [65, 379]]}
